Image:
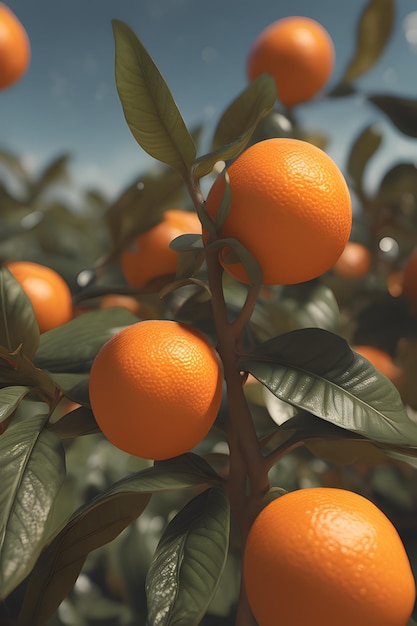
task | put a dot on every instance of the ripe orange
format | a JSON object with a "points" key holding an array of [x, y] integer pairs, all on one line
{"points": [[327, 557], [290, 207], [409, 282], [380, 359], [299, 54], [354, 261], [48, 292], [151, 256], [14, 48], [156, 388]]}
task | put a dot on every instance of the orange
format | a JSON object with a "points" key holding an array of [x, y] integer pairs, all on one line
{"points": [[354, 262], [409, 282], [156, 388], [380, 359], [326, 557], [290, 207], [48, 292], [150, 255], [120, 300], [298, 53], [14, 48]]}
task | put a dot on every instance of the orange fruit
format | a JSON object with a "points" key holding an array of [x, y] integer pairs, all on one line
{"points": [[409, 282], [326, 557], [354, 261], [290, 207], [380, 359], [14, 48], [298, 53], [48, 292], [156, 388], [126, 302], [150, 255]]}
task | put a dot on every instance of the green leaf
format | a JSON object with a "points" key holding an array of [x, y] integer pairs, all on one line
{"points": [[316, 371], [364, 147], [188, 562], [187, 243], [374, 31], [148, 105], [232, 251], [32, 469], [98, 523], [238, 122], [77, 423], [72, 347], [401, 111], [140, 207], [18, 325], [399, 180], [10, 398], [74, 386]]}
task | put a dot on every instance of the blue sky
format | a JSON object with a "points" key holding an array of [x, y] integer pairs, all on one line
{"points": [[68, 102]]}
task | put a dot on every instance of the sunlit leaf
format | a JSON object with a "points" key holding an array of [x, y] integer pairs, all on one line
{"points": [[32, 470], [374, 30], [97, 523], [401, 111], [315, 370], [73, 346], [148, 105], [238, 123], [364, 147], [18, 325], [190, 557]]}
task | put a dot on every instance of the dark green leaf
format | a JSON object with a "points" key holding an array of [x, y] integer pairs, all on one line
{"points": [[97, 523], [238, 123], [73, 346], [77, 423], [374, 31], [401, 111], [32, 469], [140, 207], [148, 105], [18, 325], [55, 172], [10, 398], [190, 557], [74, 386], [60, 563], [232, 251], [315, 370], [364, 147], [187, 243], [399, 180]]}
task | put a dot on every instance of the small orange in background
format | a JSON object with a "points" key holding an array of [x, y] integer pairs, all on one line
{"points": [[150, 255], [48, 292], [354, 262], [156, 388], [120, 300], [290, 208], [14, 48], [380, 359], [299, 54], [327, 557]]}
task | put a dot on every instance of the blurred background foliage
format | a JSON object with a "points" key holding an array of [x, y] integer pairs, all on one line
{"points": [[366, 306]]}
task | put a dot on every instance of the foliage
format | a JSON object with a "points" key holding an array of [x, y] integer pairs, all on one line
{"points": [[113, 539]]}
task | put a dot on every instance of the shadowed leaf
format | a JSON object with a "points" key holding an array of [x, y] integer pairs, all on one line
{"points": [[148, 105], [364, 147], [316, 371], [401, 111], [77, 423], [18, 325], [10, 398], [188, 562], [32, 470]]}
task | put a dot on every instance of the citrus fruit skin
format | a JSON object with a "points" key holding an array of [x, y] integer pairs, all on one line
{"points": [[14, 48], [48, 292], [324, 556], [150, 256], [298, 52], [156, 388], [290, 207]]}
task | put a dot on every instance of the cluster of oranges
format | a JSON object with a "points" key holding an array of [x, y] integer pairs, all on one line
{"points": [[156, 386]]}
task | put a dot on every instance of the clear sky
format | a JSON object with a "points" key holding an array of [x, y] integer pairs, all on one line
{"points": [[68, 101]]}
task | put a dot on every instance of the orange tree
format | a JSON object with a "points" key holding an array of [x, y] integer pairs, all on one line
{"points": [[229, 484]]}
